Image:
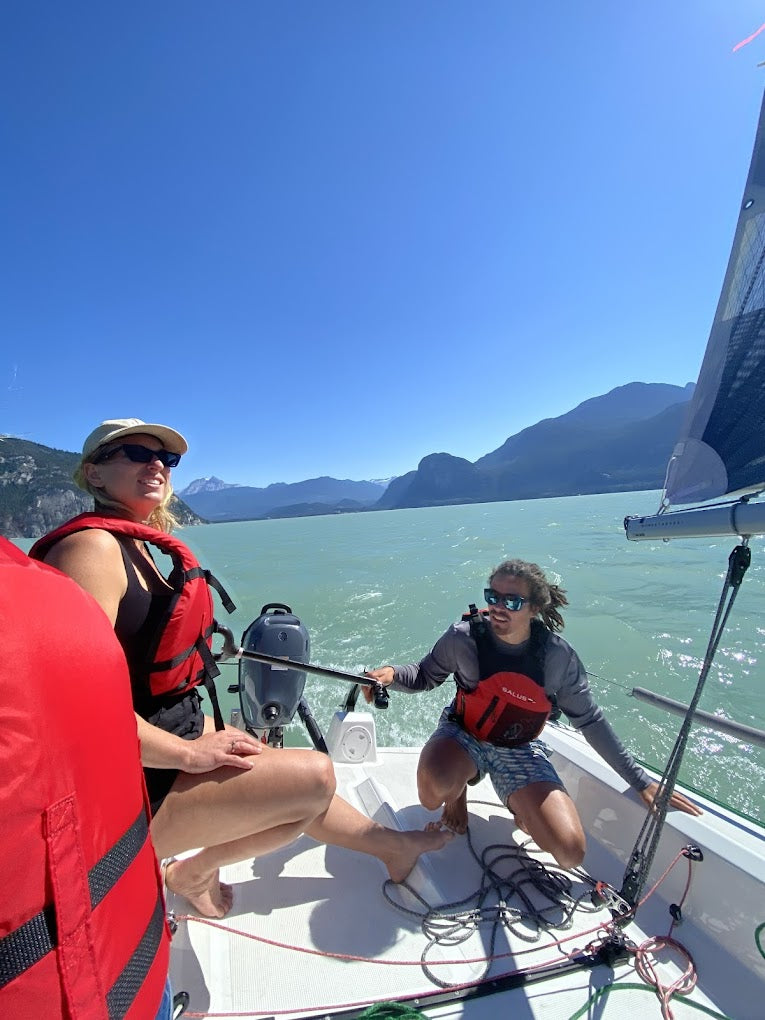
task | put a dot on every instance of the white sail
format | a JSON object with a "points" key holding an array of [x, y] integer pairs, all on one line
{"points": [[722, 447]]}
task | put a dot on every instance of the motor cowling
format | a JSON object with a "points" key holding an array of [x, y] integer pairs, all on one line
{"points": [[269, 695]]}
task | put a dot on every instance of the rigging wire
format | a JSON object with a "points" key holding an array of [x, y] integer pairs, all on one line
{"points": [[648, 838], [609, 680]]}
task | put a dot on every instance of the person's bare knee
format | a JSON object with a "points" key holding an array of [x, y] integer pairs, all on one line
{"points": [[549, 816], [432, 794], [443, 770], [323, 774], [565, 842], [285, 787], [569, 848], [312, 779]]}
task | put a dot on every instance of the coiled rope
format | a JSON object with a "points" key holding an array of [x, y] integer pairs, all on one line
{"points": [[566, 904], [542, 902]]}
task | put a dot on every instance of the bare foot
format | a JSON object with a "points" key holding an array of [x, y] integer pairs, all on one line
{"points": [[408, 847], [454, 816], [205, 892]]}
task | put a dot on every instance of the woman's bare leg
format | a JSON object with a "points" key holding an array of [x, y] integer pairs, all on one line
{"points": [[342, 825], [442, 776], [235, 815], [546, 812], [283, 788]]}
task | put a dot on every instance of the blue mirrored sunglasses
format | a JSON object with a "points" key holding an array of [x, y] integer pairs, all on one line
{"points": [[511, 602], [140, 455]]}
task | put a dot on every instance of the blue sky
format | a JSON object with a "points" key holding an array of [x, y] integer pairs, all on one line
{"points": [[334, 237]]}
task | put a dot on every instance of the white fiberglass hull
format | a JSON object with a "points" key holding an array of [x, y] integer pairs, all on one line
{"points": [[330, 901]]}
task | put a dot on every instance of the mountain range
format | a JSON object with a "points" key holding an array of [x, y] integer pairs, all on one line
{"points": [[219, 501], [619, 441]]}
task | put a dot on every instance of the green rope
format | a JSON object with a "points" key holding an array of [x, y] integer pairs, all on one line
{"points": [[390, 1011], [607, 989], [758, 940]]}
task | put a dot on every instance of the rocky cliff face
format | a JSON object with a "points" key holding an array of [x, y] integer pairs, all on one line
{"points": [[45, 511], [612, 443], [442, 478], [37, 492]]}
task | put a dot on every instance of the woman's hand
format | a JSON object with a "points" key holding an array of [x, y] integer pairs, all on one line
{"points": [[213, 750], [383, 675], [677, 800]]}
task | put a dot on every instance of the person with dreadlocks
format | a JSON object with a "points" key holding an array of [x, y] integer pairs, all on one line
{"points": [[513, 672]]}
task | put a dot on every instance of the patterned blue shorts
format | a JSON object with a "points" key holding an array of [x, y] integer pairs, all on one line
{"points": [[510, 768]]}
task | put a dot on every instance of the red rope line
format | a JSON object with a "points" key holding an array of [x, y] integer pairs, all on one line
{"points": [[350, 958], [744, 42], [417, 997], [660, 879], [683, 986]]}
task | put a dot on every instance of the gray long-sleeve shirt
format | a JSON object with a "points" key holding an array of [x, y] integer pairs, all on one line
{"points": [[455, 653]]}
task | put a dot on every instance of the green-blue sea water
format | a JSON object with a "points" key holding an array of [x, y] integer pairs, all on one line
{"points": [[377, 588]]}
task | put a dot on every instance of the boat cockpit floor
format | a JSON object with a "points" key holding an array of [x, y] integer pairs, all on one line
{"points": [[312, 931]]}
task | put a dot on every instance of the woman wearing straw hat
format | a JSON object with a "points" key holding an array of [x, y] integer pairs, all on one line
{"points": [[217, 789]]}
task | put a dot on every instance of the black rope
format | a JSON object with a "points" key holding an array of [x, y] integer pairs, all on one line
{"points": [[505, 900], [644, 850]]}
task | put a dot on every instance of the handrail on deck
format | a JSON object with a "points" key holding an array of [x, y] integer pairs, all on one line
{"points": [[749, 734]]}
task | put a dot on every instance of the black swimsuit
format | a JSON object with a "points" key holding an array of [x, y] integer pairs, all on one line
{"points": [[140, 612]]}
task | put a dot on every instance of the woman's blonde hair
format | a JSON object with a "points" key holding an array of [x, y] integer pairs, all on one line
{"points": [[545, 597], [161, 517]]}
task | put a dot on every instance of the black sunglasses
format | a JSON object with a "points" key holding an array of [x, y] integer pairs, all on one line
{"points": [[511, 602], [140, 455]]}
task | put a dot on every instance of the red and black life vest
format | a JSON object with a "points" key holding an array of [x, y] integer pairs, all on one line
{"points": [[178, 656], [82, 921], [509, 706]]}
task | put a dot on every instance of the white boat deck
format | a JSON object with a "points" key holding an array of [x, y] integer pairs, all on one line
{"points": [[311, 931]]}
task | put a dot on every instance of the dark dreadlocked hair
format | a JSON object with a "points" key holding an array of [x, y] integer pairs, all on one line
{"points": [[545, 597]]}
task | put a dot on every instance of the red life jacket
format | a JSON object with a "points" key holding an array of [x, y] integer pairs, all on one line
{"points": [[178, 656], [82, 922], [509, 706]]}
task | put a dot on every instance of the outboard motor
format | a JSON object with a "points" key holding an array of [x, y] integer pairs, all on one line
{"points": [[270, 695]]}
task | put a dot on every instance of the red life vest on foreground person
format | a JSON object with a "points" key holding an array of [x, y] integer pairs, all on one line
{"points": [[179, 656], [509, 706], [82, 918]]}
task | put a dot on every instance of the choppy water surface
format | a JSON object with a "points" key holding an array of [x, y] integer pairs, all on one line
{"points": [[379, 588]]}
